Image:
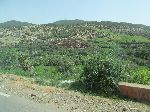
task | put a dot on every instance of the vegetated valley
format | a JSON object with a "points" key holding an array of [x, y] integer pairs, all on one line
{"points": [[87, 56]]}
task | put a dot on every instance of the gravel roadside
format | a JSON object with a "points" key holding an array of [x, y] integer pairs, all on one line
{"points": [[70, 101]]}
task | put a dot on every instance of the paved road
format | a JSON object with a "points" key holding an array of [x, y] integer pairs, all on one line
{"points": [[12, 103]]}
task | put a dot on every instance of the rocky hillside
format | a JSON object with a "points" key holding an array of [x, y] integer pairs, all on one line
{"points": [[13, 30]]}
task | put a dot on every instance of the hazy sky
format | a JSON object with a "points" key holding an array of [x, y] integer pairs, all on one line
{"points": [[46, 11]]}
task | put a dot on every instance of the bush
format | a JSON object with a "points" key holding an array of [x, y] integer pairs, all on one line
{"points": [[101, 75], [141, 76], [25, 62], [62, 63], [8, 58]]}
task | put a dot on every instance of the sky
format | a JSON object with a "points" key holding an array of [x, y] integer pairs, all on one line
{"points": [[47, 11]]}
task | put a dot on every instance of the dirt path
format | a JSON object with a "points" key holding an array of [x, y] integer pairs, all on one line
{"points": [[64, 99]]}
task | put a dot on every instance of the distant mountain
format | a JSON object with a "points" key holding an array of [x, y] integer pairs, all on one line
{"points": [[67, 22], [14, 23]]}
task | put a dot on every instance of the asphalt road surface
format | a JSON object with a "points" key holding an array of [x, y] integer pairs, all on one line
{"points": [[10, 103]]}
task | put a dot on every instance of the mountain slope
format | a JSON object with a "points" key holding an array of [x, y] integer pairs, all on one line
{"points": [[14, 23], [67, 22]]}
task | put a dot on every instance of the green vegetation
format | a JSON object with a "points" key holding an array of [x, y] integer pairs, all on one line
{"points": [[68, 22], [101, 75], [14, 23], [129, 39], [96, 55], [141, 76]]}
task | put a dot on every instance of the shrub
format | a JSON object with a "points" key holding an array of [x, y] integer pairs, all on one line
{"points": [[8, 58], [25, 62], [101, 75], [141, 76], [63, 63]]}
